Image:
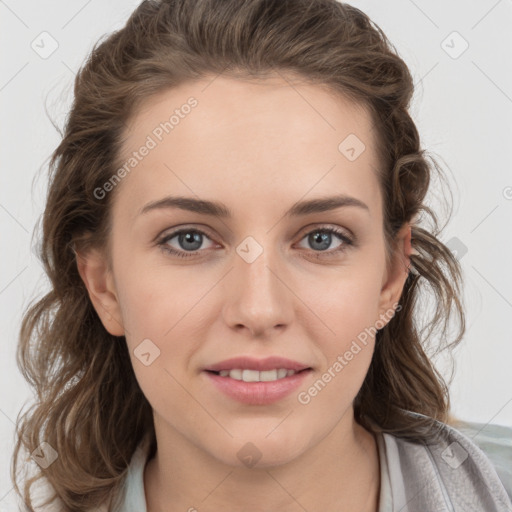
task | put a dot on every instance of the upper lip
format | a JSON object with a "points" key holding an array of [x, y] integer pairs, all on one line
{"points": [[250, 363]]}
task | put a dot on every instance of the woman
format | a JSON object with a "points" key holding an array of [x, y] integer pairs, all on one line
{"points": [[277, 362]]}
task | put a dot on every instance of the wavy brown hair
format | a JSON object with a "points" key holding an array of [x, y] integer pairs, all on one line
{"points": [[89, 406]]}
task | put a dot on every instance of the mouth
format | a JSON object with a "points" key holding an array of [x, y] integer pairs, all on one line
{"points": [[257, 387]]}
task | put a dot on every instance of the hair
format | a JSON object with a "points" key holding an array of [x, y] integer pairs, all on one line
{"points": [[89, 406]]}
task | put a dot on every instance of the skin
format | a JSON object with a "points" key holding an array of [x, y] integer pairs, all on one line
{"points": [[258, 148]]}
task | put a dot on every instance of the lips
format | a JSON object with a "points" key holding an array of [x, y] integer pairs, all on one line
{"points": [[257, 381]]}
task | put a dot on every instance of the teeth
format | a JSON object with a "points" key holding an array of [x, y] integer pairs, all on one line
{"points": [[256, 376], [235, 374], [250, 376], [267, 375]]}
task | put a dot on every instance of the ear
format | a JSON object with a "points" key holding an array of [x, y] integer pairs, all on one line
{"points": [[99, 281], [397, 273]]}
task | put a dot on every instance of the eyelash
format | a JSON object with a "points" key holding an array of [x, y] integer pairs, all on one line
{"points": [[347, 242]]}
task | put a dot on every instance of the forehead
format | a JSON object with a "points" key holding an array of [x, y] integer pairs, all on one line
{"points": [[256, 138]]}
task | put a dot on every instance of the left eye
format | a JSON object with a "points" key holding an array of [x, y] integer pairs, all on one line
{"points": [[323, 238], [190, 241]]}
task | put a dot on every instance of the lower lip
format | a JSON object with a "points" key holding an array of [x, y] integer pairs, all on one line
{"points": [[258, 393]]}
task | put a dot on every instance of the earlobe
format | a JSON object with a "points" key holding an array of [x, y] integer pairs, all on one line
{"points": [[93, 269], [397, 275]]}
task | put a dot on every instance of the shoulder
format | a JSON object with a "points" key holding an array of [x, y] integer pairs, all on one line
{"points": [[449, 472], [496, 443]]}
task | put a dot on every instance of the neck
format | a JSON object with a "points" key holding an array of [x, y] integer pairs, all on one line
{"points": [[340, 473]]}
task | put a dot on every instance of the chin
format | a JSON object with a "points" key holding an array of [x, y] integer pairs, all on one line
{"points": [[259, 452]]}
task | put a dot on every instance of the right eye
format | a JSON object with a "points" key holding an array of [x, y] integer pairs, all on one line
{"points": [[189, 240]]}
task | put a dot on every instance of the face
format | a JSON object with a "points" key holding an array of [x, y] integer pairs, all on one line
{"points": [[191, 289]]}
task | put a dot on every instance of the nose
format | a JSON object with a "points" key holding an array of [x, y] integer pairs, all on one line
{"points": [[257, 296]]}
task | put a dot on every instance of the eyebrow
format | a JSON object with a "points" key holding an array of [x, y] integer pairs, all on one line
{"points": [[217, 209]]}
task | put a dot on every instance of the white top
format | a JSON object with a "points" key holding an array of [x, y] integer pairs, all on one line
{"points": [[452, 474]]}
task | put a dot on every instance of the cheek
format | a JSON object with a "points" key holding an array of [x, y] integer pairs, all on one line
{"points": [[347, 303], [151, 316], [346, 355], [349, 307], [155, 300], [161, 337]]}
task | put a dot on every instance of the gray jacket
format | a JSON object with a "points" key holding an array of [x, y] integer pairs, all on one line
{"points": [[450, 475]]}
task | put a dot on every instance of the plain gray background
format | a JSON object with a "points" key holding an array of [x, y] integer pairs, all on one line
{"points": [[463, 110]]}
